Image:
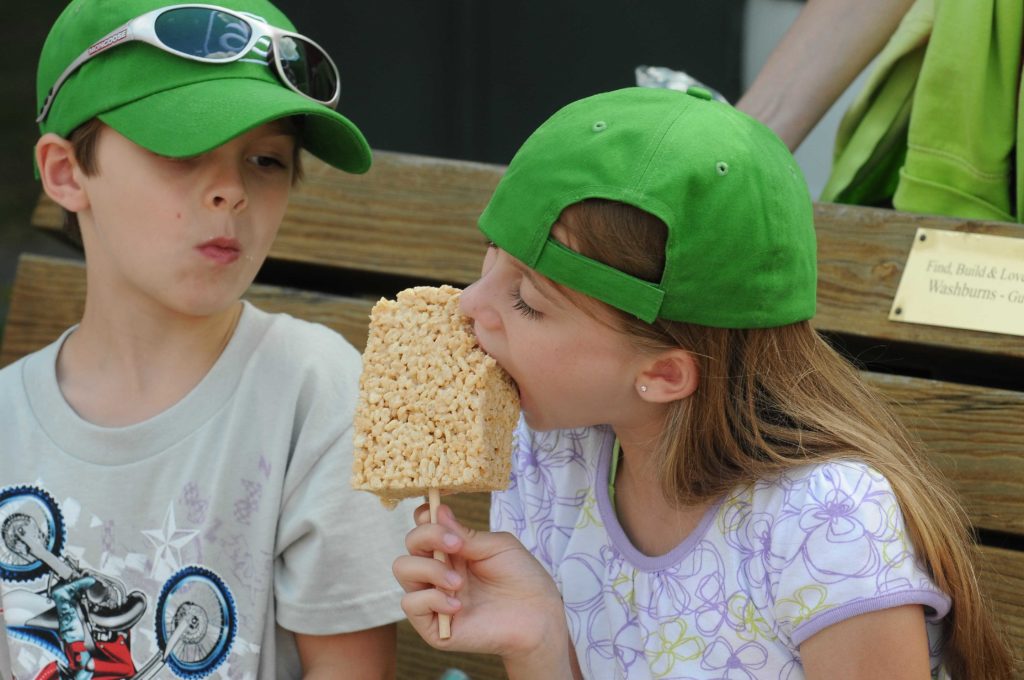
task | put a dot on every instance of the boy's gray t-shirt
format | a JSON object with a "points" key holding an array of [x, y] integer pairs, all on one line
{"points": [[230, 511]]}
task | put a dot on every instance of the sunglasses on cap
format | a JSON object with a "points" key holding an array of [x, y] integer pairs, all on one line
{"points": [[216, 35]]}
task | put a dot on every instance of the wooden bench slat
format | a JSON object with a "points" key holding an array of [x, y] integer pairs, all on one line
{"points": [[416, 216], [861, 254], [409, 215], [419, 661], [976, 434], [1001, 576], [58, 286]]}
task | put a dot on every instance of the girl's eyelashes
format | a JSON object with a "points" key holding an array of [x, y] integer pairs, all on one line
{"points": [[519, 304]]}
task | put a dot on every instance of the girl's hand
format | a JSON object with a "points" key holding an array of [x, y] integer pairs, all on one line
{"points": [[502, 600]]}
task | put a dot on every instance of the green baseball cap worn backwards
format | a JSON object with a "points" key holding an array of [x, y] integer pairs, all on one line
{"points": [[174, 106], [741, 248]]}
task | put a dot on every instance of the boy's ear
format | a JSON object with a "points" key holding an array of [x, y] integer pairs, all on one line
{"points": [[59, 172], [669, 376]]}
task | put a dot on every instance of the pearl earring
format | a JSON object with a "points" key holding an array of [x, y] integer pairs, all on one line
{"points": [[643, 388]]}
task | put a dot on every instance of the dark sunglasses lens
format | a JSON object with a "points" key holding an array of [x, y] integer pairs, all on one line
{"points": [[307, 68], [206, 33]]}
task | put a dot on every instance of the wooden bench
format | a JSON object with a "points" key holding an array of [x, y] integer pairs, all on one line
{"points": [[348, 240]]}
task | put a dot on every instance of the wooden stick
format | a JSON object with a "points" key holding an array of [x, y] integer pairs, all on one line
{"points": [[444, 621]]}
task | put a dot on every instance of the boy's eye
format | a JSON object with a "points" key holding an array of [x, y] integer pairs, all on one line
{"points": [[519, 304], [268, 162]]}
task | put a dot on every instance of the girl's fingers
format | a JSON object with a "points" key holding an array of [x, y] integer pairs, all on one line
{"points": [[426, 603], [415, 573], [421, 515], [421, 608], [426, 538]]}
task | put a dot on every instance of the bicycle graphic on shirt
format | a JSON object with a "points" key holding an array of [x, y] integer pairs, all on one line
{"points": [[84, 618]]}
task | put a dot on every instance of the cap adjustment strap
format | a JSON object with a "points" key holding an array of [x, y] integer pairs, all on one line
{"points": [[641, 298]]}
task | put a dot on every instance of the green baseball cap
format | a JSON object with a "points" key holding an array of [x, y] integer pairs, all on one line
{"points": [[741, 249], [174, 106]]}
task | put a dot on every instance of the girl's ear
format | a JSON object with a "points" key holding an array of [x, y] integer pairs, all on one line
{"points": [[669, 376], [59, 172]]}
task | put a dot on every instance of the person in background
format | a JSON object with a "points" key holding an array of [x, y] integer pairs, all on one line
{"points": [[937, 126]]}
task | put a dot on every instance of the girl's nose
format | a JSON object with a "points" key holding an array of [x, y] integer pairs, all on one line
{"points": [[475, 303]]}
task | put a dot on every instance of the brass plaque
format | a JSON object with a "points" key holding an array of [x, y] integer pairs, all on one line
{"points": [[960, 280]]}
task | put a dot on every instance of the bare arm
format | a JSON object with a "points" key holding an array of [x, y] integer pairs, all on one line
{"points": [[363, 654], [827, 46], [890, 643]]}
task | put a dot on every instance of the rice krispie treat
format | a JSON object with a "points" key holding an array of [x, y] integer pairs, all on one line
{"points": [[434, 411]]}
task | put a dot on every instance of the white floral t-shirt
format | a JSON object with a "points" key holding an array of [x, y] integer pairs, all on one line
{"points": [[767, 567]]}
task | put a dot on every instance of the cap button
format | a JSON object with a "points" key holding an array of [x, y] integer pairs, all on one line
{"points": [[699, 93]]}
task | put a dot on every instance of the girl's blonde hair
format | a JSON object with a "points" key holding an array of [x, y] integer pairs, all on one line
{"points": [[773, 398]]}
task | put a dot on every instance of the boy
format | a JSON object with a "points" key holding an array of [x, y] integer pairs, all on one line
{"points": [[173, 479]]}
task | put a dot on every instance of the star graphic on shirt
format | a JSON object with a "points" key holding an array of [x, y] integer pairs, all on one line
{"points": [[168, 541]]}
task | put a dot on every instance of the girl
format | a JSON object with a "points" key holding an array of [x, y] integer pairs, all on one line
{"points": [[701, 487]]}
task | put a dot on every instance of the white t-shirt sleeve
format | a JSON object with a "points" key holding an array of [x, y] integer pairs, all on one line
{"points": [[840, 548], [335, 545]]}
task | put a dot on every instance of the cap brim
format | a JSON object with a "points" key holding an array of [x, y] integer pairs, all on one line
{"points": [[195, 118]]}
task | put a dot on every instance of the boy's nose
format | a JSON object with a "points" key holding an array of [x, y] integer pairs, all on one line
{"points": [[227, 190]]}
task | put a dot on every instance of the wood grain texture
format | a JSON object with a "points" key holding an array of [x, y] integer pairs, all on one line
{"points": [[58, 287], [409, 215], [416, 216], [419, 661], [861, 254], [975, 434], [1001, 576]]}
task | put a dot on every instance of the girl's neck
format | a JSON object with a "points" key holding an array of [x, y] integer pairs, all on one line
{"points": [[119, 368], [653, 524]]}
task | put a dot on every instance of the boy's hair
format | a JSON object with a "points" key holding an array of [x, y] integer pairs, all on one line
{"points": [[83, 143], [770, 399]]}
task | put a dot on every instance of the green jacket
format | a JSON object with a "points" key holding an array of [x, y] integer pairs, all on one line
{"points": [[937, 126]]}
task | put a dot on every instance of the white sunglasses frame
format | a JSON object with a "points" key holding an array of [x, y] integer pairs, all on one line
{"points": [[143, 29]]}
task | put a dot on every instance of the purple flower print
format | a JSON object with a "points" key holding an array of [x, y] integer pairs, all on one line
{"points": [[734, 664], [671, 647], [667, 594], [540, 455], [611, 638], [894, 574], [805, 603], [751, 537], [585, 592], [713, 610], [747, 619], [506, 512], [540, 458], [845, 507]]}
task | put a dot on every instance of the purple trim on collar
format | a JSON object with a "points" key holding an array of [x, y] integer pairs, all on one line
{"points": [[617, 536], [937, 602]]}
